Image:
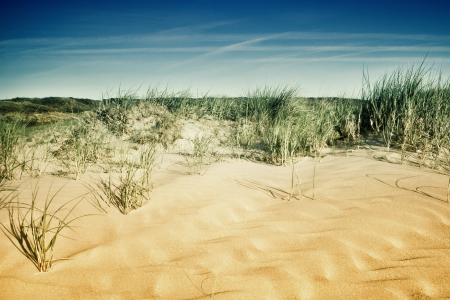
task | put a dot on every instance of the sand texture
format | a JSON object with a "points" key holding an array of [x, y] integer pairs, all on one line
{"points": [[374, 230]]}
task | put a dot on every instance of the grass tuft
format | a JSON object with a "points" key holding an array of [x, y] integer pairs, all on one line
{"points": [[126, 192], [34, 231]]}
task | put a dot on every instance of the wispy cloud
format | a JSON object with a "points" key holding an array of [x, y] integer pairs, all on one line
{"points": [[363, 36], [336, 58], [192, 33], [133, 50], [269, 48], [245, 47]]}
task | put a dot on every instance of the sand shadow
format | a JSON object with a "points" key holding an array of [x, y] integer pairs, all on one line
{"points": [[417, 190], [270, 191]]}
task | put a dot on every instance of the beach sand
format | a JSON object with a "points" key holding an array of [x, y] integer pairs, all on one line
{"points": [[374, 230]]}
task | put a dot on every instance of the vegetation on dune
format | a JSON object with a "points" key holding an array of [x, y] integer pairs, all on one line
{"points": [[10, 144], [142, 120], [128, 190], [41, 111], [411, 109], [272, 119], [124, 136], [48, 104]]}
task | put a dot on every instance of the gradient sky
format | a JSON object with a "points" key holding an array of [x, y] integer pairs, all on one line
{"points": [[86, 48]]}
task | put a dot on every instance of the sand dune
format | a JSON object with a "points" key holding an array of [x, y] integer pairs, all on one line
{"points": [[374, 230]]}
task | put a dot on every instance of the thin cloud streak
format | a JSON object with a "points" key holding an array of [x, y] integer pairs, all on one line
{"points": [[242, 47], [339, 59], [175, 35], [224, 49]]}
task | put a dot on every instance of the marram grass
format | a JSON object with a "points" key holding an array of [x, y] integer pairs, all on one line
{"points": [[34, 231], [10, 140], [126, 192]]}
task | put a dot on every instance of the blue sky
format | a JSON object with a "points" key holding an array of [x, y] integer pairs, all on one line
{"points": [[86, 48]]}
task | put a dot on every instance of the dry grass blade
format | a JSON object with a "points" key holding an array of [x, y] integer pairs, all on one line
{"points": [[270, 191], [6, 199], [446, 167], [314, 175], [295, 183], [34, 233], [148, 160], [201, 147]]}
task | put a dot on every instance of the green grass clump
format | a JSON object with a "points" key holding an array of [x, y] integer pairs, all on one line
{"points": [[411, 109], [34, 231], [126, 195], [131, 187]]}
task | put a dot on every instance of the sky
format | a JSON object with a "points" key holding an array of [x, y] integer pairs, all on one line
{"points": [[88, 49]]}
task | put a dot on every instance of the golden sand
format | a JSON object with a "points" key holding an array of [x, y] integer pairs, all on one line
{"points": [[374, 230]]}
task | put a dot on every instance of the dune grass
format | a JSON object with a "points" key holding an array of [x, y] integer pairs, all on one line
{"points": [[411, 109], [274, 120], [126, 195], [10, 144], [296, 182], [201, 148], [6, 195], [277, 121], [34, 231], [128, 190], [200, 151], [316, 161], [149, 159], [84, 143]]}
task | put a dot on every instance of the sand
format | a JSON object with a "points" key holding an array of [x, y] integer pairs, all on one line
{"points": [[374, 230]]}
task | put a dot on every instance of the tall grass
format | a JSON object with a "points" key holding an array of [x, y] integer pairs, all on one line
{"points": [[411, 108]]}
